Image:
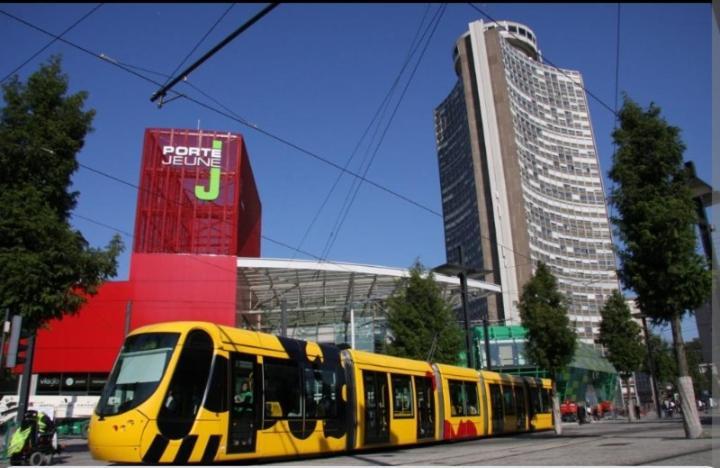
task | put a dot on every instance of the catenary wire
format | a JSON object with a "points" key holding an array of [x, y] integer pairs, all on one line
{"points": [[187, 97], [358, 184], [367, 129], [41, 50], [202, 39], [162, 92], [229, 115], [236, 118], [379, 115]]}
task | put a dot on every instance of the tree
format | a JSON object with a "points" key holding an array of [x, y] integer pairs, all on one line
{"points": [[664, 364], [666, 367], [655, 223], [47, 268], [419, 320], [693, 350], [550, 340], [622, 340]]}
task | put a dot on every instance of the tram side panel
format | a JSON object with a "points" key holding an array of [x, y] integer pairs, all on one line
{"points": [[396, 401], [304, 401], [193, 392], [463, 412], [540, 402]]}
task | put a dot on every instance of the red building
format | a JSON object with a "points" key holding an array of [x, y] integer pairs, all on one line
{"points": [[197, 210]]}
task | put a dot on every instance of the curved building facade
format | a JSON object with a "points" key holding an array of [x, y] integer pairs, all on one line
{"points": [[516, 150]]}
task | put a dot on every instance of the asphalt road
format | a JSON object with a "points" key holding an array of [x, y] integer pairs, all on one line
{"points": [[618, 442]]}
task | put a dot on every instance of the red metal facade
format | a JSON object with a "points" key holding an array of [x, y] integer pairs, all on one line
{"points": [[181, 218], [168, 287], [89, 340], [184, 208]]}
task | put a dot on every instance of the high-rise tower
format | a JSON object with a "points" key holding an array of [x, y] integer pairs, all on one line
{"points": [[520, 176]]}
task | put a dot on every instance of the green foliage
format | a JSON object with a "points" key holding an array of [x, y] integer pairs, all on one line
{"points": [[656, 216], [417, 315], [621, 336], [665, 366], [46, 267], [693, 351], [550, 340]]}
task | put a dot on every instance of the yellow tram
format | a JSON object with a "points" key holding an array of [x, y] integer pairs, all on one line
{"points": [[196, 392]]}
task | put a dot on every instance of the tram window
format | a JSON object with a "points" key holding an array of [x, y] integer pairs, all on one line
{"points": [[496, 400], [282, 389], [217, 391], [402, 396], [535, 402], [546, 401], [137, 372], [463, 398], [321, 394], [520, 401], [472, 399], [187, 386], [509, 399]]}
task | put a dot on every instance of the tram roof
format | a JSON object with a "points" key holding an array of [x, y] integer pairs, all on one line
{"points": [[324, 291]]}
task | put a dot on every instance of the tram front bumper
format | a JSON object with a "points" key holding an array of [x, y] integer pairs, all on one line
{"points": [[117, 438]]}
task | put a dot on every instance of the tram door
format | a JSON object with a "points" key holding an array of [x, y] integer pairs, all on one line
{"points": [[244, 397], [377, 416], [498, 413], [425, 404]]}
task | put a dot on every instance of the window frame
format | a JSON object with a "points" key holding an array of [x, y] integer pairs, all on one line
{"points": [[402, 413], [465, 395], [510, 406], [269, 363]]}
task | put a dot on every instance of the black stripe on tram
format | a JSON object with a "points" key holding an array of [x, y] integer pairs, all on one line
{"points": [[158, 446], [186, 448], [211, 449]]}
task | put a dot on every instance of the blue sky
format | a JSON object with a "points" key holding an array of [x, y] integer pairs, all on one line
{"points": [[314, 74]]}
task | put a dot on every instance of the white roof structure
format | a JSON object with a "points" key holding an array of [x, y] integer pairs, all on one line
{"points": [[320, 295]]}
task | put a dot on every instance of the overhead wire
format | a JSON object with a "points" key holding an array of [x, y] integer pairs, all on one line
{"points": [[375, 117], [229, 114], [202, 39], [162, 92], [355, 188], [42, 49]]}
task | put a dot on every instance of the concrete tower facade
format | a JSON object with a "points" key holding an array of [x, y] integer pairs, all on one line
{"points": [[520, 177]]}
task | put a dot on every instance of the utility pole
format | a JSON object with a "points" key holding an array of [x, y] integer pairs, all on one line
{"points": [[24, 397], [283, 318], [468, 339], [462, 272], [2, 337]]}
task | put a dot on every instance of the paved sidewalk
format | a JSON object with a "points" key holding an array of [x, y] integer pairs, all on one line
{"points": [[606, 442]]}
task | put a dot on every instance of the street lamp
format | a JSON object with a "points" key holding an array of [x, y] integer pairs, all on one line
{"points": [[463, 272], [651, 363]]}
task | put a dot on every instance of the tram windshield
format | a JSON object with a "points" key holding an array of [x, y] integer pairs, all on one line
{"points": [[137, 373]]}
